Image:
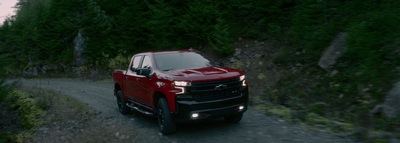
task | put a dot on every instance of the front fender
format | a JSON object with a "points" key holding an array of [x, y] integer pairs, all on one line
{"points": [[166, 89]]}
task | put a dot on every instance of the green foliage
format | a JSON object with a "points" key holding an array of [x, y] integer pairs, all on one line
{"points": [[20, 112], [5, 88], [386, 124], [364, 73], [27, 107], [373, 46], [43, 31], [119, 62]]}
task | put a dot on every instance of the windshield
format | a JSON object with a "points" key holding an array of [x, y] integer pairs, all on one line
{"points": [[181, 60]]}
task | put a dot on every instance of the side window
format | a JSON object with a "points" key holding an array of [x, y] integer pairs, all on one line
{"points": [[135, 63], [147, 63]]}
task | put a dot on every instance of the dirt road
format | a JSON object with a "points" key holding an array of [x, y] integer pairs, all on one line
{"points": [[254, 127]]}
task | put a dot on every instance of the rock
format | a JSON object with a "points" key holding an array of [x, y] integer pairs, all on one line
{"points": [[300, 115], [35, 71], [391, 105], [94, 75], [320, 104], [270, 66], [79, 47], [333, 52], [44, 130], [78, 71], [379, 136], [261, 76], [237, 52], [333, 73], [232, 60], [341, 95], [31, 72], [260, 55], [44, 69], [365, 90], [337, 128], [393, 140], [359, 132], [320, 126]]}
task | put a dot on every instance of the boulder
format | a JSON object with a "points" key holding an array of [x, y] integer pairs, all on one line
{"points": [[31, 72], [393, 140], [359, 132], [391, 105], [333, 52], [79, 48]]}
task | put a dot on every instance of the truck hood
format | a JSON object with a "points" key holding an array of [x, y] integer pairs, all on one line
{"points": [[202, 74]]}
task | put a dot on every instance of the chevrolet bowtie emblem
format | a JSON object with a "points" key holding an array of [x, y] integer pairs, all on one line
{"points": [[220, 87]]}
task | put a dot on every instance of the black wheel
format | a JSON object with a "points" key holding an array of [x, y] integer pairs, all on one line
{"points": [[234, 118], [165, 122], [122, 103]]}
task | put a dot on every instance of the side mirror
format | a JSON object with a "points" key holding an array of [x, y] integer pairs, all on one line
{"points": [[145, 72], [220, 64]]}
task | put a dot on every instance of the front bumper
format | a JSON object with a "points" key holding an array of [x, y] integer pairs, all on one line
{"points": [[210, 109]]}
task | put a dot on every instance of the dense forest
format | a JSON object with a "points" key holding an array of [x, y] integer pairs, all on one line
{"points": [[44, 32]]}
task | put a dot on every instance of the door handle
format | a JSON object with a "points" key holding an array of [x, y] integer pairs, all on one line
{"points": [[127, 77], [137, 79]]}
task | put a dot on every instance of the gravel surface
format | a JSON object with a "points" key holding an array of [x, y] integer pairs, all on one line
{"points": [[254, 127]]}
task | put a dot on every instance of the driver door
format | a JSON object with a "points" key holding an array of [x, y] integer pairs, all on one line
{"points": [[144, 83], [130, 81]]}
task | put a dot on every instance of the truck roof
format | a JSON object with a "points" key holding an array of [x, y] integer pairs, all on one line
{"points": [[169, 51]]}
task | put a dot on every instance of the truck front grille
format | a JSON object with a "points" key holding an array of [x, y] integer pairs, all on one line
{"points": [[215, 90]]}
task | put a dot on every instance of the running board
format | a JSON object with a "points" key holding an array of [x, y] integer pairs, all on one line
{"points": [[139, 109]]}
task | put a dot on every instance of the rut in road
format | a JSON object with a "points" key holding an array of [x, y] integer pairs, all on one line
{"points": [[254, 127]]}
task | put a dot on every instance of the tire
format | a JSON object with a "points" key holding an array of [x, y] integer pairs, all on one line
{"points": [[165, 122], [122, 103], [234, 118]]}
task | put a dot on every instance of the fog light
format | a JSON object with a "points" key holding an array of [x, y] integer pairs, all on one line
{"points": [[195, 115], [241, 107]]}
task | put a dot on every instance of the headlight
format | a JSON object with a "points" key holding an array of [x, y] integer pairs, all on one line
{"points": [[242, 80], [182, 83], [182, 90], [242, 77]]}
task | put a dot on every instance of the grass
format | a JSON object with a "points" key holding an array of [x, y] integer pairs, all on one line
{"points": [[20, 115], [315, 121], [308, 118], [63, 119]]}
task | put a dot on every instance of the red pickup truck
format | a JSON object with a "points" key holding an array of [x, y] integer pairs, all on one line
{"points": [[180, 86]]}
